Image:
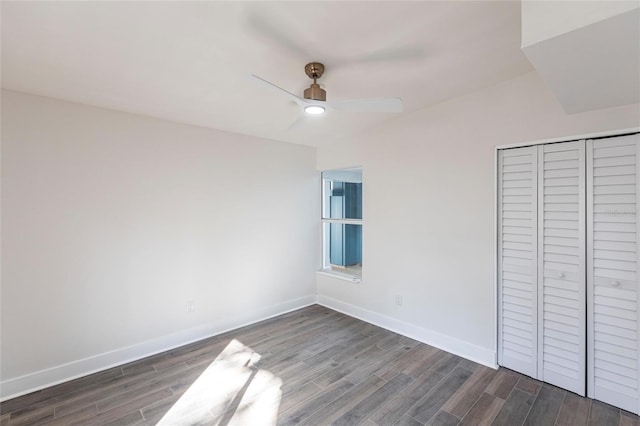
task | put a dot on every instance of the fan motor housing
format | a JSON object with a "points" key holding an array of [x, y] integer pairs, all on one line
{"points": [[315, 92]]}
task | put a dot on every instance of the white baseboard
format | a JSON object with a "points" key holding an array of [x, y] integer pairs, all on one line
{"points": [[450, 344], [32, 382]]}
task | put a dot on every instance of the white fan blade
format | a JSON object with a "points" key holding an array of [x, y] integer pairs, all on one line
{"points": [[393, 54], [380, 56], [368, 105], [304, 120], [274, 30], [278, 89], [299, 121]]}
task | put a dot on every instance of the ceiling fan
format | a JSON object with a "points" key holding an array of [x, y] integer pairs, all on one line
{"points": [[314, 100]]}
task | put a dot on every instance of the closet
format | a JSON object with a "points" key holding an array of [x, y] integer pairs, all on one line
{"points": [[568, 239]]}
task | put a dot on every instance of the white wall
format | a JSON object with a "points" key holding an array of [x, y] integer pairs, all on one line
{"points": [[111, 222], [428, 210]]}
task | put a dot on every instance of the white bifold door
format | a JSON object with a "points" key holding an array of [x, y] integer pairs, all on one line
{"points": [[518, 259], [542, 263], [568, 242], [561, 265], [613, 240]]}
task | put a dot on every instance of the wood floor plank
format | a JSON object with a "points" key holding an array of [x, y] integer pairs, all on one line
{"points": [[172, 360], [515, 409], [430, 359], [257, 403], [288, 369], [407, 420], [292, 348], [354, 349], [503, 383], [469, 365], [447, 363], [528, 385], [344, 369], [484, 411], [90, 397], [299, 395], [370, 329], [603, 414], [350, 399], [574, 410], [628, 419], [362, 410], [295, 341], [305, 410], [428, 406], [369, 365], [390, 340], [412, 363], [84, 413], [312, 366], [142, 365], [546, 407], [391, 412], [129, 419], [138, 389], [467, 395], [156, 410], [28, 416], [336, 337], [110, 419], [332, 350], [310, 375], [52, 394], [442, 418], [133, 403]]}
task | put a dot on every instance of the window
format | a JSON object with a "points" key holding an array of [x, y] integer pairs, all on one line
{"points": [[342, 223]]}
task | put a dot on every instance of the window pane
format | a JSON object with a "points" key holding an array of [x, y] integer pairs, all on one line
{"points": [[342, 194], [343, 247]]}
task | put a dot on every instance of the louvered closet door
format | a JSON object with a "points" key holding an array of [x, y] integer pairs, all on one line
{"points": [[561, 266], [612, 267], [517, 259]]}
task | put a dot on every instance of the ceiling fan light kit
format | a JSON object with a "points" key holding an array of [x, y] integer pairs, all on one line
{"points": [[314, 109]]}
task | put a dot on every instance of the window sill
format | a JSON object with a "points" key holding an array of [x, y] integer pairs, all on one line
{"points": [[340, 275]]}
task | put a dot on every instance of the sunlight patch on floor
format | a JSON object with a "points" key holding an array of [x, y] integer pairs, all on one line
{"points": [[232, 390]]}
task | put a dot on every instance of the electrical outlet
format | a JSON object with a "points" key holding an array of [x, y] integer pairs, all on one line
{"points": [[399, 300], [191, 307]]}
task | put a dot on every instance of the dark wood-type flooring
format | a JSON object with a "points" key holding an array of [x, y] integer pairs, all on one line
{"points": [[313, 366]]}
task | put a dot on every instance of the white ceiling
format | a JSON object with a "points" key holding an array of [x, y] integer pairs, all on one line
{"points": [[189, 61]]}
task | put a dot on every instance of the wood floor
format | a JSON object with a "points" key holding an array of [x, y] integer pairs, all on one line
{"points": [[313, 366]]}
